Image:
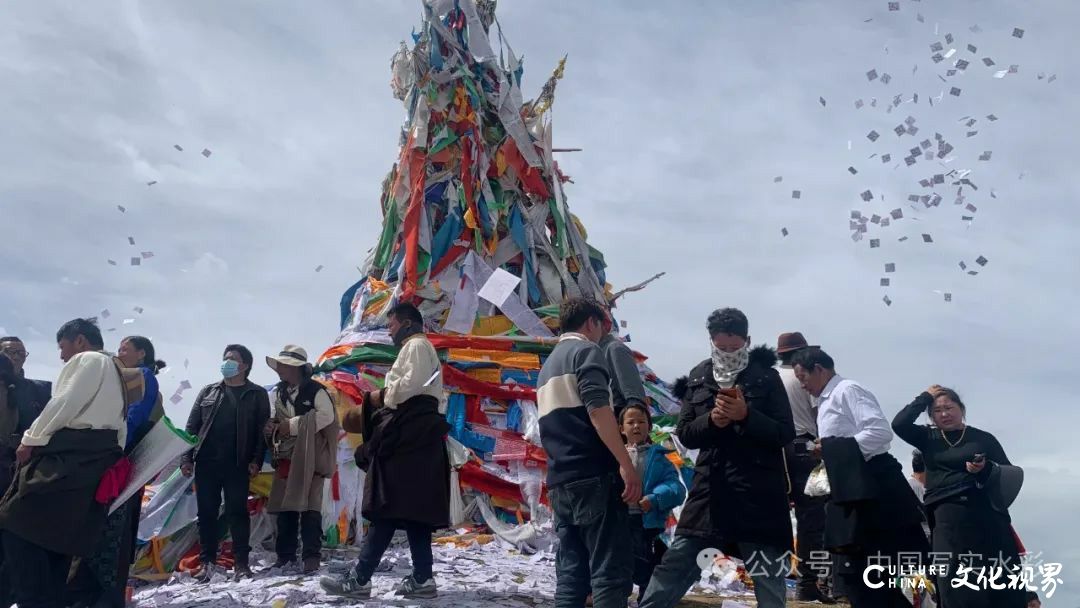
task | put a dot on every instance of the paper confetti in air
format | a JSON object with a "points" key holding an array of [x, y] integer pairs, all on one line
{"points": [[319, 268], [796, 194], [151, 183], [122, 208], [178, 148], [1018, 33], [206, 152], [136, 261]]}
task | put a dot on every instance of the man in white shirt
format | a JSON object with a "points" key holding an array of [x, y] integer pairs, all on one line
{"points": [[871, 510], [801, 460], [414, 370], [51, 512], [407, 485]]}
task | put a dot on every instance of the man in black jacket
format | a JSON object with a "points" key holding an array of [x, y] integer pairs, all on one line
{"points": [[228, 418], [27, 397], [735, 411]]}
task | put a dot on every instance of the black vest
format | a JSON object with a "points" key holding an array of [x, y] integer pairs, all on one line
{"points": [[305, 398]]}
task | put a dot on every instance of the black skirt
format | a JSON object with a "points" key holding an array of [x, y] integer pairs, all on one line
{"points": [[969, 531]]}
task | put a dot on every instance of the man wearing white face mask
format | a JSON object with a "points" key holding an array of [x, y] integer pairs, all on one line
{"points": [[736, 412], [228, 418]]}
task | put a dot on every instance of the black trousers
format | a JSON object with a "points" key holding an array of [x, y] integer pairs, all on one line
{"points": [[7, 474], [809, 515], [378, 539], [308, 524], [38, 576], [212, 479], [969, 530], [595, 544], [648, 551]]}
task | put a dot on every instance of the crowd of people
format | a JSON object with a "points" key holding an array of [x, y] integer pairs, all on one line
{"points": [[763, 421]]}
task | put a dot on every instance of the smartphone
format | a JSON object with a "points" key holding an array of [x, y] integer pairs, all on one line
{"points": [[801, 448], [730, 392], [979, 458]]}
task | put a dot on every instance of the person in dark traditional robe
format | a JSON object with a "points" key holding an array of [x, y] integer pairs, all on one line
{"points": [[872, 517], [55, 508], [407, 486]]}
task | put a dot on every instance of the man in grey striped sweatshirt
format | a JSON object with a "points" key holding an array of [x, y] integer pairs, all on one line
{"points": [[590, 477]]}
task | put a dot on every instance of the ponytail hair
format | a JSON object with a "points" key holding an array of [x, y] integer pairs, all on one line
{"points": [[149, 360]]}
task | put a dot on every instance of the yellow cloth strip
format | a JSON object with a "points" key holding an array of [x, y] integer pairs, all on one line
{"points": [[486, 374], [492, 326], [524, 361]]}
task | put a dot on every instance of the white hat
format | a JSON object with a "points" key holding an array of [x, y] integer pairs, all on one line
{"points": [[292, 355]]}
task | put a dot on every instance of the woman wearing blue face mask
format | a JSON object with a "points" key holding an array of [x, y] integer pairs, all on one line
{"points": [[228, 418]]}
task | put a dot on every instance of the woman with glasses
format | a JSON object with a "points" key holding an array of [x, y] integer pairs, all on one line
{"points": [[965, 521]]}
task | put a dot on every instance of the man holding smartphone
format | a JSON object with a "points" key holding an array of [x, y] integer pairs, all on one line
{"points": [[736, 412]]}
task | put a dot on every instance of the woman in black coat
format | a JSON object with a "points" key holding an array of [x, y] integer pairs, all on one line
{"points": [[964, 517], [738, 501]]}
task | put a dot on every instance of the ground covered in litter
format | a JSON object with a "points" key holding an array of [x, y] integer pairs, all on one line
{"points": [[478, 576]]}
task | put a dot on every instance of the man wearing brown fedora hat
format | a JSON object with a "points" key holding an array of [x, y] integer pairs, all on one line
{"points": [[801, 460], [302, 434]]}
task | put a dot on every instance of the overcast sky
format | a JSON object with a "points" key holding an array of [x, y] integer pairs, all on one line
{"points": [[686, 112]]}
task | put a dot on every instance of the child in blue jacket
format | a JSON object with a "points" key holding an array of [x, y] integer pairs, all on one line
{"points": [[661, 491]]}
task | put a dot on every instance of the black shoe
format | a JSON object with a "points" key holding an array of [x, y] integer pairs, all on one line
{"points": [[346, 585], [283, 562], [813, 594]]}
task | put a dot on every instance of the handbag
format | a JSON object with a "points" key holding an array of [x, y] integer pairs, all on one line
{"points": [[817, 484]]}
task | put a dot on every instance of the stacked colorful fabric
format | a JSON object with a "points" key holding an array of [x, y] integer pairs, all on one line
{"points": [[476, 233]]}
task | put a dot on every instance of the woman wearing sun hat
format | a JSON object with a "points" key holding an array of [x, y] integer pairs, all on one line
{"points": [[302, 435]]}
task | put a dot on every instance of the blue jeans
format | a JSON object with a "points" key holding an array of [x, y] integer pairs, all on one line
{"points": [[595, 547], [678, 572]]}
